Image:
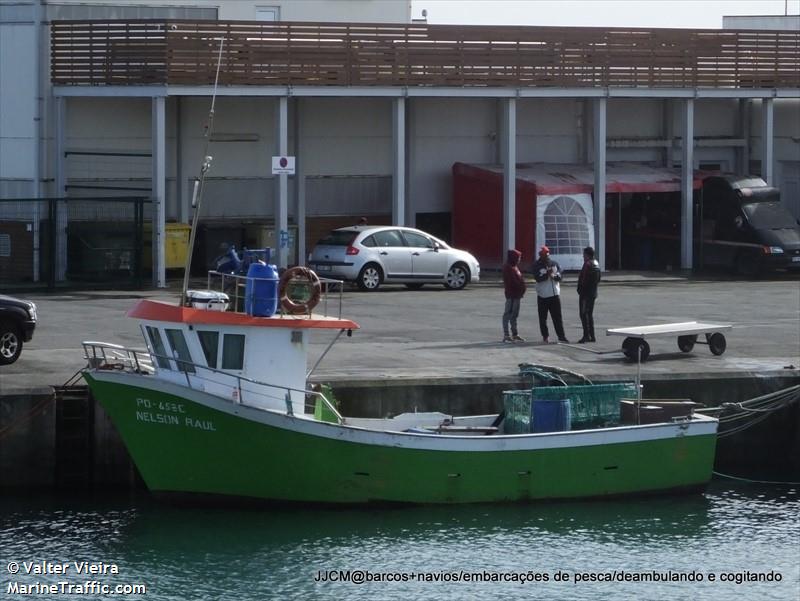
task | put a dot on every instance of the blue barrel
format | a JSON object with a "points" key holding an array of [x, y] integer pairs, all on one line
{"points": [[261, 290], [550, 416]]}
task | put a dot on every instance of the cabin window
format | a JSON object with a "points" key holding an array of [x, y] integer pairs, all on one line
{"points": [[233, 351], [180, 350], [158, 347], [209, 341]]}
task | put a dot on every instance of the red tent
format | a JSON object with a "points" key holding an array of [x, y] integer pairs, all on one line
{"points": [[478, 199]]}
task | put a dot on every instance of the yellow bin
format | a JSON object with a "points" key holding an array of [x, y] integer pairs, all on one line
{"points": [[176, 243]]}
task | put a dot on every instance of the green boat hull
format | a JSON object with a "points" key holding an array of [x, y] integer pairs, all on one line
{"points": [[189, 442]]}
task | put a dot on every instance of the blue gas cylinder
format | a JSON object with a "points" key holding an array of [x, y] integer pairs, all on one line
{"points": [[550, 416], [261, 290]]}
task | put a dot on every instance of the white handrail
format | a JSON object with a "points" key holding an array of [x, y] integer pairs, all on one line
{"points": [[143, 361]]}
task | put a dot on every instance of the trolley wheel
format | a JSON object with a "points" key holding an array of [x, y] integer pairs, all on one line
{"points": [[628, 346], [717, 343], [686, 343], [635, 348]]}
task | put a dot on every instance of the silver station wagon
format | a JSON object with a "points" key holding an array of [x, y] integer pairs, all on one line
{"points": [[375, 255]]}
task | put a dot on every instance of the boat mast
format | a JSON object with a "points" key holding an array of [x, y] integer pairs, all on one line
{"points": [[197, 194]]}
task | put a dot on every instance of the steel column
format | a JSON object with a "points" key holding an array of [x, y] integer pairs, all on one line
{"points": [[687, 181], [181, 185], [743, 132], [60, 175], [600, 106], [299, 184], [767, 140], [399, 161], [158, 144], [509, 149], [282, 200]]}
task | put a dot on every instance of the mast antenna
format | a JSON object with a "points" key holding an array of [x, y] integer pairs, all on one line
{"points": [[199, 183]]}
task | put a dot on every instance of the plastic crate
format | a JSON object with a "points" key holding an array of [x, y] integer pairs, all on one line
{"points": [[517, 405], [592, 405]]}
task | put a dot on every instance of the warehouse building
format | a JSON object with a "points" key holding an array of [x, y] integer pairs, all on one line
{"points": [[374, 109]]}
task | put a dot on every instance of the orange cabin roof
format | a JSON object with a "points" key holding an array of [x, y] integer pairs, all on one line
{"points": [[161, 311]]}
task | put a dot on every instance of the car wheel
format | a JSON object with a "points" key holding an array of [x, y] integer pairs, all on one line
{"points": [[414, 286], [457, 277], [10, 343], [370, 277]]}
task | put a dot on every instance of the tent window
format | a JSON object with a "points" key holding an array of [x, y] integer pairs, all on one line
{"points": [[566, 227]]}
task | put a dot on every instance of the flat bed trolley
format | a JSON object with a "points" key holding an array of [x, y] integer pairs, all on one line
{"points": [[635, 344]]}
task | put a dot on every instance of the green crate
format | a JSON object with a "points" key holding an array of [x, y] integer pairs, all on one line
{"points": [[592, 405], [517, 405]]}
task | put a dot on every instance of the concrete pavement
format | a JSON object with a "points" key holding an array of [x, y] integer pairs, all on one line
{"points": [[442, 334]]}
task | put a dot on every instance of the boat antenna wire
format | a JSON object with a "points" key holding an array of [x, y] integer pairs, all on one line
{"points": [[199, 184]]}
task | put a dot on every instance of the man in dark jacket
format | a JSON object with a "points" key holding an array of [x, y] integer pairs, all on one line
{"points": [[514, 285], [588, 280], [547, 274]]}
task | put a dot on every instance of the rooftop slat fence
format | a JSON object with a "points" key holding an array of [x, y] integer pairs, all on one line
{"points": [[346, 54]]}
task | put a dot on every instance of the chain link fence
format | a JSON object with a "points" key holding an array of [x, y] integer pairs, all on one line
{"points": [[75, 241]]}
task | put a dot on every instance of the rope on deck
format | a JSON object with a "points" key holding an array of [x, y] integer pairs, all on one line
{"points": [[549, 372]]}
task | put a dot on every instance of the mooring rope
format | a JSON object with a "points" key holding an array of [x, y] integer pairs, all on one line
{"points": [[749, 481], [753, 411]]}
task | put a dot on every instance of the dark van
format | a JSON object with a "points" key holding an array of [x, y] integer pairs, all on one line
{"points": [[746, 227]]}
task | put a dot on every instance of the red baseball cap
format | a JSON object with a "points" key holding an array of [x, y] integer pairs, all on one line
{"points": [[544, 251]]}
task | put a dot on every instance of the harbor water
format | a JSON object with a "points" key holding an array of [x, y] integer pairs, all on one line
{"points": [[736, 540]]}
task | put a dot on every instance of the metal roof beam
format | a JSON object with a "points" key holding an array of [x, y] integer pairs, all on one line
{"points": [[155, 91]]}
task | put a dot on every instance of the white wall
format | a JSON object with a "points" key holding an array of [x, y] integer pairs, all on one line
{"points": [[17, 106], [770, 22], [364, 11], [786, 132], [442, 132], [634, 118], [234, 119], [353, 137], [548, 130], [347, 136], [357, 11]]}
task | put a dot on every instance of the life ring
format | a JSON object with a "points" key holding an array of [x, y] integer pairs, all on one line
{"points": [[292, 306]]}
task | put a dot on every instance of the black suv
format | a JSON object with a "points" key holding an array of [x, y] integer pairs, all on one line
{"points": [[17, 322]]}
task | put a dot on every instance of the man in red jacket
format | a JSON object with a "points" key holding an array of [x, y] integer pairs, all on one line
{"points": [[514, 285]]}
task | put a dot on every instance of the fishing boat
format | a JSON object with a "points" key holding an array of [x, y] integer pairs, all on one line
{"points": [[218, 403]]}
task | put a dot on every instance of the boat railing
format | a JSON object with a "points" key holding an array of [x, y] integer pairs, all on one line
{"points": [[234, 285], [238, 389], [105, 355]]}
